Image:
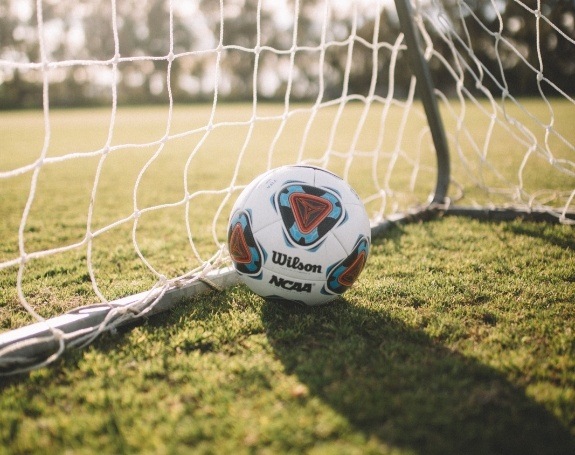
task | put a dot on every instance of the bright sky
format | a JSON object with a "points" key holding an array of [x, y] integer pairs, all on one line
{"points": [[23, 9]]}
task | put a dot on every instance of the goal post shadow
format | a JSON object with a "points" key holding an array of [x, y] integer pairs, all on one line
{"points": [[396, 384]]}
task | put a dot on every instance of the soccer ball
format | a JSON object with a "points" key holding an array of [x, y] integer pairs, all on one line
{"points": [[299, 233]]}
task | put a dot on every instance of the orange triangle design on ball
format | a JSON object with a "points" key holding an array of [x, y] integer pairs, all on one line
{"points": [[348, 277], [309, 211], [239, 249]]}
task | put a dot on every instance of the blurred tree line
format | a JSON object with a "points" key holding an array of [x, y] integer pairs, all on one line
{"points": [[98, 48]]}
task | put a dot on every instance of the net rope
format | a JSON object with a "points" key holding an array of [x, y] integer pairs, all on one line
{"points": [[376, 137]]}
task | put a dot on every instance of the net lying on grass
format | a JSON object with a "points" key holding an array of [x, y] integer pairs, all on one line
{"points": [[125, 208]]}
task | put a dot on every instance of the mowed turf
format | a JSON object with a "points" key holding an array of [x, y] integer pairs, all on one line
{"points": [[458, 338]]}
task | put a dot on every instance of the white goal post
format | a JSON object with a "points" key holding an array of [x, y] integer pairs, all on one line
{"points": [[144, 121]]}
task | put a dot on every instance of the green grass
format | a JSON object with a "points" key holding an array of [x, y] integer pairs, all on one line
{"points": [[458, 337]]}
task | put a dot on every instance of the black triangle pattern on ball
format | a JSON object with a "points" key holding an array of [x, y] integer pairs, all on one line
{"points": [[308, 213], [309, 210]]}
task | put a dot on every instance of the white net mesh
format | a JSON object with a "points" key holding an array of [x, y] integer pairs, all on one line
{"points": [[188, 103], [500, 156]]}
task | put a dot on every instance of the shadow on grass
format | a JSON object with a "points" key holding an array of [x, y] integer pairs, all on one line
{"points": [[390, 381], [395, 383], [562, 238]]}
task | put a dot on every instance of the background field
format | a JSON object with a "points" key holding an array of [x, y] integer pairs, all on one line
{"points": [[459, 337]]}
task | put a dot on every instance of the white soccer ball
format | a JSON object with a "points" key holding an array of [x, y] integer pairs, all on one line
{"points": [[299, 233]]}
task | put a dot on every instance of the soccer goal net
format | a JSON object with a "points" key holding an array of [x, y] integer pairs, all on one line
{"points": [[130, 127]]}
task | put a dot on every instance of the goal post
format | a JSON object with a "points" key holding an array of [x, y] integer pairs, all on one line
{"points": [[118, 210], [425, 86]]}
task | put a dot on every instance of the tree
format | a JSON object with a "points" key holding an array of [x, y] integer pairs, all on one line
{"points": [[509, 43], [77, 31]]}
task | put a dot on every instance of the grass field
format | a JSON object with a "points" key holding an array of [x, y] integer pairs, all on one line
{"points": [[458, 338]]}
